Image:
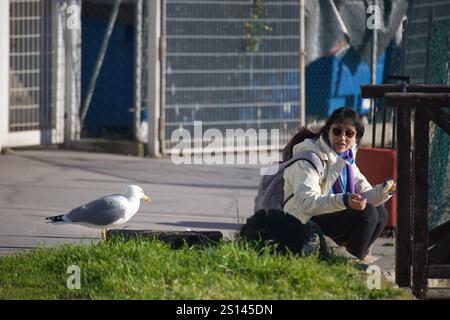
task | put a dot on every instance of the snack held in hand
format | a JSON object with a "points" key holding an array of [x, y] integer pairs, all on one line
{"points": [[390, 186]]}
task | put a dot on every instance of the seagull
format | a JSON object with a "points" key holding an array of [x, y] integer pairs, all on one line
{"points": [[106, 211]]}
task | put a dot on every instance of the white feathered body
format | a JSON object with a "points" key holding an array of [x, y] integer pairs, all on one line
{"points": [[104, 212]]}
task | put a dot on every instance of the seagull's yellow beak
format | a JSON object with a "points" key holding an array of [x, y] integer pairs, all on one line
{"points": [[146, 198]]}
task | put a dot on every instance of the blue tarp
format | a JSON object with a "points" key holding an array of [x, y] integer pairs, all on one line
{"points": [[333, 82]]}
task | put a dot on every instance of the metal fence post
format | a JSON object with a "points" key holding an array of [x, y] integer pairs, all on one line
{"points": [[153, 104], [72, 74], [137, 67], [4, 70], [373, 77], [301, 77]]}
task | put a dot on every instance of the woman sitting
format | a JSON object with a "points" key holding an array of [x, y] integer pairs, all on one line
{"points": [[342, 202]]}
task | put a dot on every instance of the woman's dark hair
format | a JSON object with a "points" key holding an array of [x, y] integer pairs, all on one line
{"points": [[338, 116], [302, 134]]}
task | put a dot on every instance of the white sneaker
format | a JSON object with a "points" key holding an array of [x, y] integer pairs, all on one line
{"points": [[370, 259]]}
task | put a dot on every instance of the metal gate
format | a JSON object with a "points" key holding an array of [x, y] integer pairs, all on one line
{"points": [[231, 64], [32, 113]]}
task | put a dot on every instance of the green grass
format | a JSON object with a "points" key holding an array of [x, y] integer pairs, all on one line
{"points": [[140, 269]]}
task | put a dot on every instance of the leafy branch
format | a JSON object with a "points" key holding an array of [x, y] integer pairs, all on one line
{"points": [[254, 29]]}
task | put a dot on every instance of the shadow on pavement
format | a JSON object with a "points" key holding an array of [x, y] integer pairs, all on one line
{"points": [[204, 225]]}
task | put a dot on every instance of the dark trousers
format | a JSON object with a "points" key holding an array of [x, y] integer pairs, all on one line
{"points": [[358, 229]]}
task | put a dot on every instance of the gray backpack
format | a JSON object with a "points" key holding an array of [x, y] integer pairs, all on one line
{"points": [[271, 187]]}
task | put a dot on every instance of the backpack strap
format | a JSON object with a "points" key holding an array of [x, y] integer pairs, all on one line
{"points": [[309, 156]]}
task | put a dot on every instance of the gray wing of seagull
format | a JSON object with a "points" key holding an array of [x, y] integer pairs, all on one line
{"points": [[101, 212]]}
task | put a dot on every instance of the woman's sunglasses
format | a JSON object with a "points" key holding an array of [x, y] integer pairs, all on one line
{"points": [[339, 131]]}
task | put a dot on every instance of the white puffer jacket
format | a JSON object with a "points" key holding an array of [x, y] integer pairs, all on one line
{"points": [[312, 194]]}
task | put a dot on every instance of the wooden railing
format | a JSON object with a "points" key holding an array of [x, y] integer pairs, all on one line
{"points": [[420, 254]]}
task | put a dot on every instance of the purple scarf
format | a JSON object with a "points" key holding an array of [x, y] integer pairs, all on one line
{"points": [[348, 156], [338, 186]]}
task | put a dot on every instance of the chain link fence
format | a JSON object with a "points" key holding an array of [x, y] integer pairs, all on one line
{"points": [[427, 61], [235, 64], [108, 100], [231, 64]]}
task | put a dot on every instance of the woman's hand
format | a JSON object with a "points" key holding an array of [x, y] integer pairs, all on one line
{"points": [[357, 202]]}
